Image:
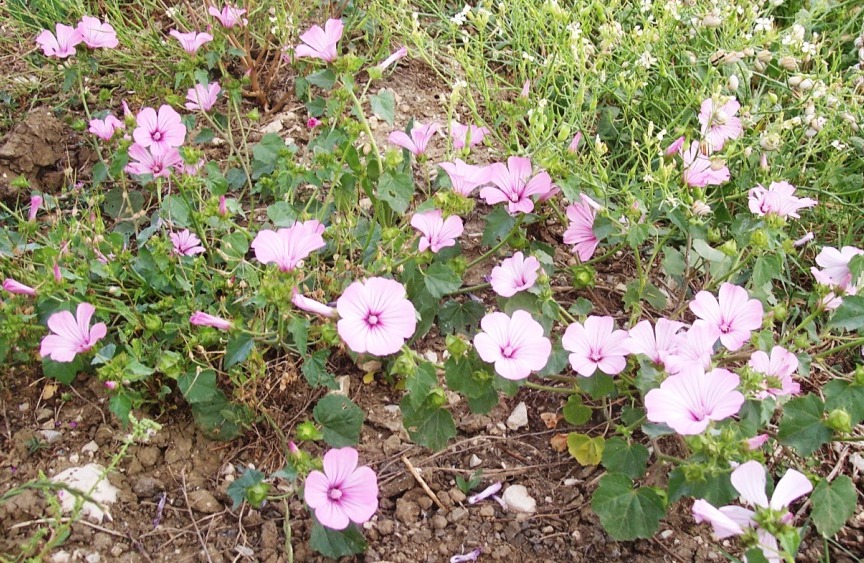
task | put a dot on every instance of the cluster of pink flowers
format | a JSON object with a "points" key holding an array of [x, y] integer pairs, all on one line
{"points": [[90, 31]]}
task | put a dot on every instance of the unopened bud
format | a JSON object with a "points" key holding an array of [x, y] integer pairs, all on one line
{"points": [[789, 63], [711, 20], [839, 421], [732, 83]]}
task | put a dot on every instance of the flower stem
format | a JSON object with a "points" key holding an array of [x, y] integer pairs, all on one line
{"points": [[495, 248], [551, 389]]}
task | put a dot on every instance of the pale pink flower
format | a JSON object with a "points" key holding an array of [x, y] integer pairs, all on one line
{"points": [[719, 123], [191, 41], [675, 147], [465, 178], [596, 345], [35, 203], [186, 243], [72, 335], [763, 162], [657, 342], [690, 400], [343, 493], [437, 232], [514, 184], [63, 44], [287, 247], [203, 96], [472, 555], [189, 169], [159, 131], [574, 144], [778, 369], [375, 316], [526, 89], [700, 171], [466, 135], [229, 16], [835, 271], [419, 139], [311, 306], [804, 240], [777, 200], [223, 206], [158, 164], [734, 313], [485, 493], [757, 442], [105, 128], [96, 34], [18, 288], [321, 43], [515, 345], [580, 232], [693, 347], [397, 54], [200, 318], [515, 274], [58, 276]]}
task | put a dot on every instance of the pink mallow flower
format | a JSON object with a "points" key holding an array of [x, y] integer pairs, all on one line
{"points": [[777, 200], [596, 345], [72, 335], [397, 54], [35, 203], [287, 247], [835, 272], [200, 318], [202, 96], [186, 243], [418, 140], [18, 288], [437, 232], [580, 232], [733, 312], [191, 41], [690, 400], [732, 520], [342, 493], [700, 171], [675, 147], [63, 44], [719, 123], [574, 143], [756, 442], [777, 369], [514, 184], [160, 131], [375, 316], [321, 43], [515, 345], [96, 34], [311, 306], [146, 161], [466, 135], [105, 128], [515, 274], [465, 178], [657, 342], [693, 347], [229, 16]]}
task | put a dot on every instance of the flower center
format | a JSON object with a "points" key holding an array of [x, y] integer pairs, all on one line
{"points": [[372, 319], [595, 356], [334, 494], [157, 168], [726, 327], [720, 117], [514, 197], [157, 135], [508, 351]]}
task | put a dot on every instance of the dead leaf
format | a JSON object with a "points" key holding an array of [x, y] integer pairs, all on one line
{"points": [[49, 390], [559, 442], [550, 419]]}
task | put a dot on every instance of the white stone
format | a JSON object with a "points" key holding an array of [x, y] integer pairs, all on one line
{"points": [[61, 557], [518, 500], [50, 436], [90, 447], [857, 461], [666, 534], [518, 418], [93, 558], [87, 478], [474, 461], [273, 127], [570, 482]]}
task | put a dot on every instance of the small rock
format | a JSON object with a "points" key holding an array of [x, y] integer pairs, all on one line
{"points": [[93, 558], [518, 500], [857, 461], [439, 522], [344, 382], [273, 127], [269, 535], [570, 482], [147, 487], [666, 534], [518, 418], [386, 527], [149, 456], [457, 514], [407, 511], [90, 447], [487, 511], [61, 557], [203, 501], [457, 495], [50, 436], [474, 461], [103, 435], [118, 549], [24, 407], [424, 502], [392, 445], [44, 414]]}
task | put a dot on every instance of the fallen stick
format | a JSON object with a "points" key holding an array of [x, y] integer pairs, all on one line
{"points": [[416, 474]]}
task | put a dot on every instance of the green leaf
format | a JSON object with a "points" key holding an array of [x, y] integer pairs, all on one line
{"points": [[841, 394], [220, 419], [315, 370], [64, 372], [340, 419], [136, 371], [586, 450], [238, 487], [396, 190], [384, 106], [626, 513], [850, 313], [598, 385], [198, 385], [440, 280], [238, 349], [705, 251], [235, 245], [119, 203], [463, 377], [619, 456], [420, 383], [575, 412], [299, 329], [324, 79], [282, 214], [334, 543], [265, 153], [716, 488], [205, 136], [833, 504], [120, 406], [498, 224], [455, 316], [429, 424], [767, 268], [802, 427]]}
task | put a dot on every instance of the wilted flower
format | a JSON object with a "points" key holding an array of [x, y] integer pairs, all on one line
{"points": [[516, 345], [287, 247], [18, 288], [35, 204], [596, 345], [63, 44], [375, 316], [200, 318], [311, 306], [466, 135], [574, 144], [313, 122], [105, 128], [675, 147], [466, 558], [321, 43], [96, 34], [485, 493], [72, 335], [397, 54], [229, 16], [191, 41], [437, 232], [804, 240], [342, 493]]}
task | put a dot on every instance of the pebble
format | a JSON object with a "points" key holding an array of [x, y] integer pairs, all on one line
{"points": [[50, 436], [457, 514], [386, 527], [149, 456], [203, 501], [147, 487], [666, 534], [487, 511], [518, 418], [407, 511], [273, 127], [570, 482], [103, 435], [439, 522], [457, 495], [44, 414], [90, 447], [93, 558], [344, 382], [518, 500], [24, 407], [474, 461]]}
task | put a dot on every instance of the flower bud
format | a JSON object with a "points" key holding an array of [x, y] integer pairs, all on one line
{"points": [[789, 63], [732, 83], [839, 421], [729, 248], [583, 276], [759, 239]]}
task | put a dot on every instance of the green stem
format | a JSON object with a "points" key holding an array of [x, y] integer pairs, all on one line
{"points": [[844, 346], [470, 288], [551, 389], [495, 248], [807, 320]]}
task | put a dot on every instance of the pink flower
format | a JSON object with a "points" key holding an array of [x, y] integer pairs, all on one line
{"points": [[757, 442], [657, 342], [466, 135], [223, 206], [596, 345], [777, 200], [580, 232], [526, 89], [72, 334], [63, 44], [512, 184], [485, 493], [419, 139], [35, 203], [397, 54], [311, 306], [200, 318], [574, 144], [313, 122], [375, 316], [734, 313], [719, 124], [189, 169], [203, 96], [159, 131], [515, 345], [690, 400], [693, 348], [191, 41], [437, 232], [321, 43], [467, 557], [778, 369], [835, 271], [105, 128], [465, 178], [58, 276], [287, 247], [343, 493], [700, 171], [229, 16], [675, 147], [146, 162], [515, 274], [186, 243], [18, 288], [96, 34]]}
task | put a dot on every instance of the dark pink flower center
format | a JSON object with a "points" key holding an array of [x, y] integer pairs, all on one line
{"points": [[514, 197], [157, 167], [595, 356], [726, 327], [508, 351], [334, 494], [373, 319], [156, 135]]}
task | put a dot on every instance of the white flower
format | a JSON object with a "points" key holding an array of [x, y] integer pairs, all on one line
{"points": [[764, 24]]}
